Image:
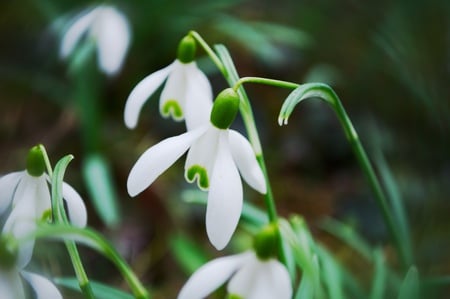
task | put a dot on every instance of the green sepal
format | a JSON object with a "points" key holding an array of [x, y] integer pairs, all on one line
{"points": [[35, 161], [186, 49], [225, 109], [265, 243], [9, 251]]}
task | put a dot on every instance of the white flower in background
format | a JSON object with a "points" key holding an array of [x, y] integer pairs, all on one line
{"points": [[250, 278], [12, 270], [27, 195], [186, 94], [110, 30], [215, 155]]}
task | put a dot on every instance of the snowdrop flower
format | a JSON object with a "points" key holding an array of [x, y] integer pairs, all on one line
{"points": [[27, 194], [186, 94], [109, 28], [252, 275], [216, 153], [12, 271]]}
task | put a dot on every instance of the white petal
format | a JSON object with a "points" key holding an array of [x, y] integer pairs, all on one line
{"points": [[210, 276], [225, 197], [11, 285], [112, 32], [261, 280], [8, 185], [203, 153], [42, 198], [198, 97], [76, 30], [245, 159], [20, 227], [75, 206], [175, 90], [43, 287], [157, 159], [141, 92]]}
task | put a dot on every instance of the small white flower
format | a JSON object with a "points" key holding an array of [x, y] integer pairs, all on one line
{"points": [[250, 278], [29, 199], [187, 94], [109, 28], [214, 157]]}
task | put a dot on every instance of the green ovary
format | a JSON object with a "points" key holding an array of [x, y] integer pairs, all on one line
{"points": [[171, 107], [198, 172]]}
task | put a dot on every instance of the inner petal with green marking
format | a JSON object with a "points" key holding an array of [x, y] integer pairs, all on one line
{"points": [[172, 108], [199, 173]]}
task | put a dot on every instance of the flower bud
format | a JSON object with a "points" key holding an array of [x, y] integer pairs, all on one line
{"points": [[35, 161], [225, 108], [265, 242], [9, 251], [186, 49]]}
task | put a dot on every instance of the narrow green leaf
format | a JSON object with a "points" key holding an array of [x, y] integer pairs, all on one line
{"points": [[409, 288], [101, 291], [99, 182], [379, 277]]}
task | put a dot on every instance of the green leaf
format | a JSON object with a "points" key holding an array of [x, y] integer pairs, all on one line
{"points": [[380, 275], [97, 175], [409, 288], [101, 291], [188, 254]]}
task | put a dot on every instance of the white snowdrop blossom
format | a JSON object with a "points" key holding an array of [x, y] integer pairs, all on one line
{"points": [[110, 30], [249, 278], [12, 272], [28, 198], [187, 92]]}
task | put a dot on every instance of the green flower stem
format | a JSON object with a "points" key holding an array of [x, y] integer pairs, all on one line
{"points": [[95, 241], [60, 216], [209, 51], [259, 80], [48, 165]]}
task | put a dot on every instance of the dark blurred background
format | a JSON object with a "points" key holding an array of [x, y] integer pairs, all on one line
{"points": [[389, 62]]}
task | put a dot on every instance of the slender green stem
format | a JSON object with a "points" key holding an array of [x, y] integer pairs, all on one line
{"points": [[48, 165], [208, 51], [98, 243], [259, 80], [60, 216]]}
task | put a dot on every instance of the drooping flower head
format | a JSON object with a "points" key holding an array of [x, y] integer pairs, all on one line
{"points": [[186, 95], [255, 274], [108, 28], [216, 157]]}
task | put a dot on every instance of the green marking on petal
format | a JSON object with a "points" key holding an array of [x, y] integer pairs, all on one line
{"points": [[234, 296], [35, 162], [47, 216], [172, 108], [9, 251], [199, 173]]}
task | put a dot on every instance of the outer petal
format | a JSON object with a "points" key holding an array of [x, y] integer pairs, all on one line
{"points": [[76, 30], [245, 159], [141, 92], [261, 280], [210, 276], [174, 91], [112, 31], [43, 288], [157, 159], [11, 285], [75, 206], [225, 197], [8, 184], [198, 97], [203, 153]]}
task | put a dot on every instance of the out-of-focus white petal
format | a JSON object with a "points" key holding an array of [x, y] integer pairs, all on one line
{"points": [[225, 197], [245, 159], [11, 285], [20, 226], [141, 92], [174, 92], [80, 26], [157, 159], [112, 31], [8, 185], [203, 153], [261, 280], [75, 206], [42, 197], [198, 97], [43, 287], [210, 276]]}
